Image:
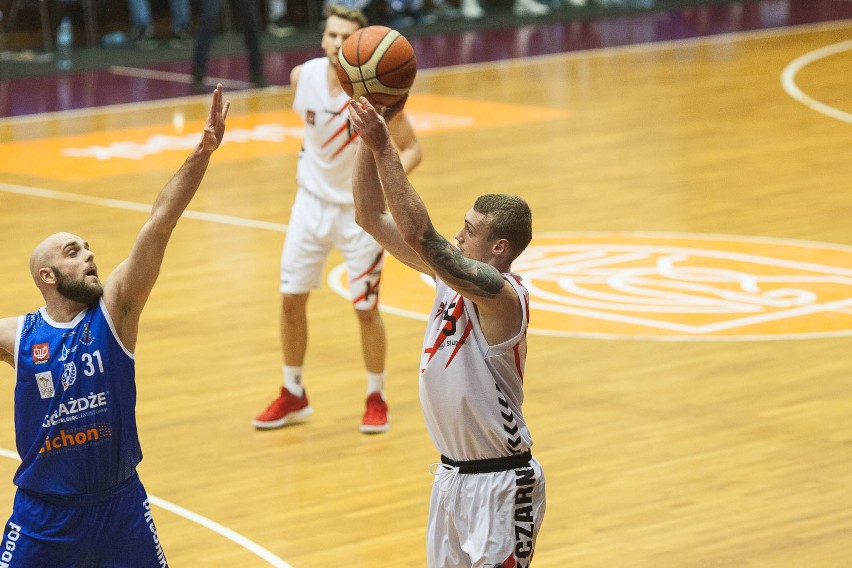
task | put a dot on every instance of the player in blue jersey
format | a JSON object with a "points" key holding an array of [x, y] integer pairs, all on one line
{"points": [[79, 500]]}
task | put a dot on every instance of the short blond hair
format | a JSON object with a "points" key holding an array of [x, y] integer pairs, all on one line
{"points": [[345, 13], [509, 217]]}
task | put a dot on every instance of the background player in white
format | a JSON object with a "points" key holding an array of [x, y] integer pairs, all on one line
{"points": [[323, 216], [488, 497], [79, 499]]}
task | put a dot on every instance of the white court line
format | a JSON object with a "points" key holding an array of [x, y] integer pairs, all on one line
{"points": [[143, 207], [235, 537], [696, 236], [174, 77], [645, 47], [635, 48], [335, 278], [566, 56], [592, 52], [130, 107], [788, 80]]}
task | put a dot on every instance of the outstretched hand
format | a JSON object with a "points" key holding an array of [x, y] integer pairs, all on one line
{"points": [[214, 130], [368, 123]]}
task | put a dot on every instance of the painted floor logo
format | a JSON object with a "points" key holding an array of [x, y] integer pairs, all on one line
{"points": [[669, 286]]}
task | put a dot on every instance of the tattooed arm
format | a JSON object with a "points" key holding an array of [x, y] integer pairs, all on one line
{"points": [[497, 304], [496, 301], [468, 277]]}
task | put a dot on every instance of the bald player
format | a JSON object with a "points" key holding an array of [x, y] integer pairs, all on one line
{"points": [[79, 500]]}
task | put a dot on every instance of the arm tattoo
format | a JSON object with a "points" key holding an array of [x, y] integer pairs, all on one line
{"points": [[483, 278]]}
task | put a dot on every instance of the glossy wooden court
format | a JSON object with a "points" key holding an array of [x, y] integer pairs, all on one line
{"points": [[724, 446]]}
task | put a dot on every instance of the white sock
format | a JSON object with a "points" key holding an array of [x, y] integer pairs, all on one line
{"points": [[293, 380], [376, 383]]}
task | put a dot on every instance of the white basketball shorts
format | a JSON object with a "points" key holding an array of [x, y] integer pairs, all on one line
{"points": [[484, 520], [317, 226]]}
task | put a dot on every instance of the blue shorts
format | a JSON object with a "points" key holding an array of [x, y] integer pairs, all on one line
{"points": [[112, 530]]}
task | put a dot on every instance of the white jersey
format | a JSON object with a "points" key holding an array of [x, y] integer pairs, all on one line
{"points": [[471, 392], [327, 157]]}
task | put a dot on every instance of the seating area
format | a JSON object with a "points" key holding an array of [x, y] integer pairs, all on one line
{"points": [[31, 24], [103, 36], [49, 12]]}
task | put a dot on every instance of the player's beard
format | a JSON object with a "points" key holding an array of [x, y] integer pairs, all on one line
{"points": [[78, 290]]}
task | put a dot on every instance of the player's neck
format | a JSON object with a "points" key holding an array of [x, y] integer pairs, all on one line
{"points": [[332, 81], [63, 310]]}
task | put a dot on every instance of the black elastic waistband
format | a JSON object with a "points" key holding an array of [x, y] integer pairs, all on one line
{"points": [[84, 498], [491, 465]]}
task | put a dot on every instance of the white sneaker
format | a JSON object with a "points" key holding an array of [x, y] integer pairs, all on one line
{"points": [[529, 8], [471, 10]]}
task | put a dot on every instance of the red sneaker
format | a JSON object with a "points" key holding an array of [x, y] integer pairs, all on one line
{"points": [[285, 409], [376, 416]]}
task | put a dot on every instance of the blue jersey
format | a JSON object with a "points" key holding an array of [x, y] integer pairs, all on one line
{"points": [[75, 401]]}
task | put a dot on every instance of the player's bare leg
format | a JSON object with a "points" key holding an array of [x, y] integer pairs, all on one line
{"points": [[294, 328], [292, 403], [374, 349]]}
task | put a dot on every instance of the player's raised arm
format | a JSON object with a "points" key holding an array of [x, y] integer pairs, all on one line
{"points": [[371, 214], [8, 326], [469, 277], [408, 210], [130, 284], [406, 142]]}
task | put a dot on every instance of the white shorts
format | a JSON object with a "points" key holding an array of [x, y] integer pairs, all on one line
{"points": [[317, 226], [482, 520]]}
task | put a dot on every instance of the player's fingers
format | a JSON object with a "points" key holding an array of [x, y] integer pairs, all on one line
{"points": [[354, 117], [353, 109], [366, 106], [225, 110], [214, 103]]}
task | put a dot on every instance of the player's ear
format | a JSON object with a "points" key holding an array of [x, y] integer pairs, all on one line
{"points": [[500, 247], [47, 275]]}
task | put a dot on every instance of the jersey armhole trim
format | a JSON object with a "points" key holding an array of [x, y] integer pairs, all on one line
{"points": [[18, 329], [108, 319], [510, 343]]}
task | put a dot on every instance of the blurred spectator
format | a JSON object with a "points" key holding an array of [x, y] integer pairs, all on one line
{"points": [[142, 23], [406, 13], [472, 10], [207, 26], [276, 15], [353, 4]]}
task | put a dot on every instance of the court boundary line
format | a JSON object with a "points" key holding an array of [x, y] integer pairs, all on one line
{"points": [[334, 272], [334, 279], [745, 35], [203, 521], [140, 207], [132, 106], [174, 77], [647, 47], [788, 80]]}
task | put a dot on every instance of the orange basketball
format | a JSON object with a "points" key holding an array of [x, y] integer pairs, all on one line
{"points": [[376, 62]]}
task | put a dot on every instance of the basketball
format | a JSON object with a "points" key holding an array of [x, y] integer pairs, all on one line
{"points": [[376, 62]]}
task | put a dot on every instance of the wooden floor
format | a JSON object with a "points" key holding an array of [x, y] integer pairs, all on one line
{"points": [[659, 450]]}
